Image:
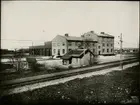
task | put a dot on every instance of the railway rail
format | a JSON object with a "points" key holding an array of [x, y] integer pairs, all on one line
{"points": [[64, 74]]}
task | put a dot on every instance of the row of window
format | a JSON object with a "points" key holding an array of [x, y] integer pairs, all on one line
{"points": [[106, 45], [70, 44], [58, 44], [58, 51], [103, 50], [107, 39]]}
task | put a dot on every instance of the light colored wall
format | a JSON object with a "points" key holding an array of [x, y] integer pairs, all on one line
{"points": [[90, 35], [94, 37], [85, 60], [74, 45], [58, 41]]}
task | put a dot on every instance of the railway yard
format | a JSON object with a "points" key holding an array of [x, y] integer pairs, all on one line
{"points": [[105, 82]]}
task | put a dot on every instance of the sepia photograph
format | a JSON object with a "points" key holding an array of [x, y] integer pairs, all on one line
{"points": [[69, 52]]}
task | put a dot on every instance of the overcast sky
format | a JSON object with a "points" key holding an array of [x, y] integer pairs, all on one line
{"points": [[41, 21]]}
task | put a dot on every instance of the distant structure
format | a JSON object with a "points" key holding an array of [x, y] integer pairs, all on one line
{"points": [[42, 50], [62, 44], [6, 51], [127, 50]]}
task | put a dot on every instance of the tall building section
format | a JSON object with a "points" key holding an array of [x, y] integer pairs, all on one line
{"points": [[92, 36], [105, 45]]}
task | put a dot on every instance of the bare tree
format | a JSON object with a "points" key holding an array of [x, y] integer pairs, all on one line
{"points": [[16, 60]]}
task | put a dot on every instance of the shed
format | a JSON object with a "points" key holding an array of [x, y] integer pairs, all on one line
{"points": [[78, 57]]}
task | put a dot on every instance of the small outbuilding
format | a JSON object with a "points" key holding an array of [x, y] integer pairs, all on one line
{"points": [[78, 57]]}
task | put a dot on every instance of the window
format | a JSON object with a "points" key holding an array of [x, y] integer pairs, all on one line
{"points": [[103, 44], [103, 50], [58, 51], [93, 44], [63, 44], [107, 50], [54, 51], [99, 52], [107, 44], [99, 47], [111, 44], [63, 51], [111, 50]]}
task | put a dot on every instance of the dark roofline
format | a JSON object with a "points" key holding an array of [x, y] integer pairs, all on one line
{"points": [[36, 47], [76, 40], [79, 56], [106, 36]]}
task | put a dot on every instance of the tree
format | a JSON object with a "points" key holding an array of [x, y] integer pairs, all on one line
{"points": [[16, 60]]}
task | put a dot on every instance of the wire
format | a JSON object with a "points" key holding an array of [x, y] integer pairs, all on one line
{"points": [[22, 40]]}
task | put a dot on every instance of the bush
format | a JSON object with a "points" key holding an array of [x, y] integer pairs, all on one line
{"points": [[5, 66], [36, 67], [70, 67]]}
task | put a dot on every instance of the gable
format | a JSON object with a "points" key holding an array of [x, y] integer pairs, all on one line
{"points": [[59, 38], [91, 35], [76, 53]]}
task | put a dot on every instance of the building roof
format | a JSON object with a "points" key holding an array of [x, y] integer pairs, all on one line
{"points": [[105, 35], [102, 34], [48, 44], [39, 46], [77, 53], [72, 38]]}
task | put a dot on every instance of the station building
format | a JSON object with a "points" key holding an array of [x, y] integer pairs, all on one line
{"points": [[62, 44]]}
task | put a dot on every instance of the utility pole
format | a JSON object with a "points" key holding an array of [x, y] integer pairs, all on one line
{"points": [[32, 48], [121, 62]]}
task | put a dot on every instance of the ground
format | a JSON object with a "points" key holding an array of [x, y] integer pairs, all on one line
{"points": [[114, 87]]}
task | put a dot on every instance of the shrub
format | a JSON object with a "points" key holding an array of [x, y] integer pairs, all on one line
{"points": [[36, 67], [5, 66], [70, 67]]}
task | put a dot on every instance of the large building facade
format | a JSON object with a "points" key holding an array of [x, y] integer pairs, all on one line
{"points": [[62, 44], [105, 45]]}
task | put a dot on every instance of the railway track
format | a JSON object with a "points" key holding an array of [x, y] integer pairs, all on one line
{"points": [[65, 74]]}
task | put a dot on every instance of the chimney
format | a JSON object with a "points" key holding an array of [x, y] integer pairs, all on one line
{"points": [[92, 31], [66, 34], [102, 32]]}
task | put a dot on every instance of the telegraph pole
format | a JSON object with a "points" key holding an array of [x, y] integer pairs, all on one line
{"points": [[32, 48], [121, 63]]}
